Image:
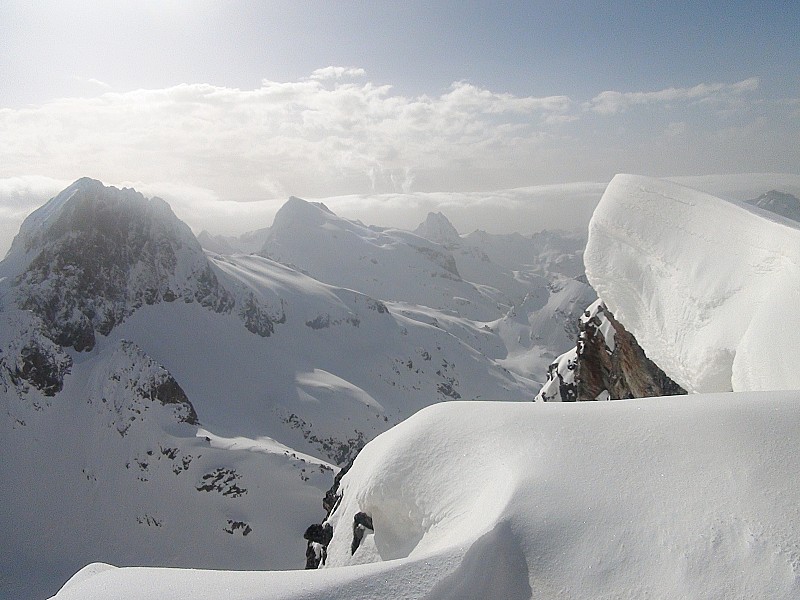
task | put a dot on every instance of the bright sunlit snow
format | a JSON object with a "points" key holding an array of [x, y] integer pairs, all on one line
{"points": [[708, 287], [688, 497]]}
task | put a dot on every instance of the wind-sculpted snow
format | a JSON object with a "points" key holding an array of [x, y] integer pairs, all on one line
{"points": [[708, 288], [663, 499]]}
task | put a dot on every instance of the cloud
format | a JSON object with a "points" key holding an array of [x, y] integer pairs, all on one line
{"points": [[218, 154], [612, 102], [99, 83], [317, 136], [337, 73]]}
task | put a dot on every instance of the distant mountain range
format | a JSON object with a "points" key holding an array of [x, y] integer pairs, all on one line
{"points": [[169, 405]]}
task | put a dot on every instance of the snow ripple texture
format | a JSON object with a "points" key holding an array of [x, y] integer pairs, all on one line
{"points": [[707, 286]]}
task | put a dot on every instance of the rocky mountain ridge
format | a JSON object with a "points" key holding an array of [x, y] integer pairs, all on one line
{"points": [[135, 365], [93, 255]]}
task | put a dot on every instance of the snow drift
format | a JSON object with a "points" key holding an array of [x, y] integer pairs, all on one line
{"points": [[708, 287], [680, 497]]}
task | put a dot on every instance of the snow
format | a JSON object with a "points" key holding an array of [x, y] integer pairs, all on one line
{"points": [[275, 412], [691, 497], [708, 287], [561, 372], [660, 498]]}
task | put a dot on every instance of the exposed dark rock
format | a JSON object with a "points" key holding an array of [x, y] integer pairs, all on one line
{"points": [[332, 497], [378, 306], [42, 368], [361, 522], [222, 481], [93, 255], [443, 259], [626, 372], [234, 526], [562, 373], [320, 322], [338, 451], [600, 368], [256, 319], [169, 392], [319, 536]]}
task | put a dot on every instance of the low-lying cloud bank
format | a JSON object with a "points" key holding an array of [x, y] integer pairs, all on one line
{"points": [[336, 132]]}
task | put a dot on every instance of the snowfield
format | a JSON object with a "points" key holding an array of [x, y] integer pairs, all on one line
{"points": [[708, 287], [683, 497]]}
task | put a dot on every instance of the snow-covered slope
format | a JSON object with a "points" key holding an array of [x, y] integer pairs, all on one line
{"points": [[673, 497], [708, 287], [539, 276], [677, 498], [309, 237], [187, 409]]}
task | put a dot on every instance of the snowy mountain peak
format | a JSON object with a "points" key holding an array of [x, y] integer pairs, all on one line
{"points": [[780, 203], [298, 212], [438, 228], [94, 254]]}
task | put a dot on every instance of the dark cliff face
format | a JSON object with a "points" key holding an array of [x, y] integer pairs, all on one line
{"points": [[94, 254], [624, 372], [607, 364], [320, 535]]}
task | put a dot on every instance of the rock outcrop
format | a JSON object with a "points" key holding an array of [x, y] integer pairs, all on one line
{"points": [[438, 228], [319, 535], [607, 364]]}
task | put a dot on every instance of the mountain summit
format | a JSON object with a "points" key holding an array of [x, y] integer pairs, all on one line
{"points": [[438, 228], [93, 254], [780, 203]]}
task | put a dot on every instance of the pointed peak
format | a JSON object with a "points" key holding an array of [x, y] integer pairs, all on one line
{"points": [[438, 228], [86, 183], [295, 201]]}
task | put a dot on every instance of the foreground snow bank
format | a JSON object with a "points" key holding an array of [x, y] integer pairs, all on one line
{"points": [[670, 498], [708, 287]]}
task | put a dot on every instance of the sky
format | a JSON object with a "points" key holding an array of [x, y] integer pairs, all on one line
{"points": [[251, 101]]}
